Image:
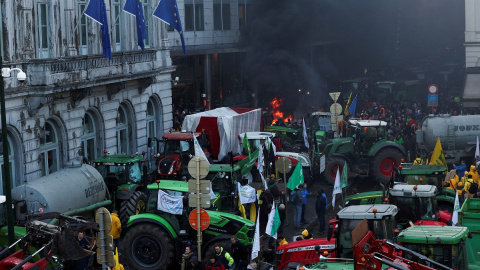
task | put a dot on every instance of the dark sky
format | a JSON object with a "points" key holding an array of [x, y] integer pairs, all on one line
{"points": [[285, 35]]}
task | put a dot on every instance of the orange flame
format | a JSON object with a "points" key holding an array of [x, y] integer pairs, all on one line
{"points": [[276, 103]]}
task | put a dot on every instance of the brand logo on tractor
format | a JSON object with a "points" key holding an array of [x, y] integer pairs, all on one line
{"points": [[467, 127], [311, 248], [94, 189]]}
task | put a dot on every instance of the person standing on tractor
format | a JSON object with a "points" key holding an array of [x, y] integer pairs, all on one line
{"points": [[470, 187], [224, 258], [473, 172]]}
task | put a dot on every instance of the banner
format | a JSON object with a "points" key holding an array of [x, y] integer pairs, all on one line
{"points": [[305, 137], [273, 222], [198, 149], [344, 176], [170, 204], [456, 209], [246, 194], [256, 238]]}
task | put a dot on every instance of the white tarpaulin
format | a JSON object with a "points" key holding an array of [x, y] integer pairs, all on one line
{"points": [[230, 124], [246, 193], [170, 204]]}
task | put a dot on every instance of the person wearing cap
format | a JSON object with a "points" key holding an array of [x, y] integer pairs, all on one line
{"points": [[213, 264], [195, 264], [467, 186], [473, 172], [305, 234], [282, 241]]}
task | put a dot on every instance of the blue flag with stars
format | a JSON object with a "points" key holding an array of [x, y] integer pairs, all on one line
{"points": [[135, 8], [98, 12], [167, 11]]}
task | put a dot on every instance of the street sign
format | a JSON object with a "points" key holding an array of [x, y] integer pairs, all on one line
{"points": [[192, 167], [432, 89], [283, 165], [108, 255], [204, 186], [108, 242], [334, 96], [432, 97], [336, 108], [204, 219], [204, 200], [107, 219]]}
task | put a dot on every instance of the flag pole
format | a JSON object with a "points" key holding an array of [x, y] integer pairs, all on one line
{"points": [[285, 190]]}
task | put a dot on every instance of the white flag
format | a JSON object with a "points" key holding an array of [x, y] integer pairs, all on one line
{"points": [[456, 209], [170, 204], [260, 160], [263, 181], [273, 222], [477, 151], [256, 238], [247, 194], [305, 137], [198, 149], [336, 188], [212, 195]]}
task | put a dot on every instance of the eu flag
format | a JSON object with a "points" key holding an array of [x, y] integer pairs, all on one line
{"points": [[98, 12], [135, 8], [167, 11], [353, 106]]}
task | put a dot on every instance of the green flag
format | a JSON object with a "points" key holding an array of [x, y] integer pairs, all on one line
{"points": [[245, 143], [344, 177], [297, 177], [273, 221]]}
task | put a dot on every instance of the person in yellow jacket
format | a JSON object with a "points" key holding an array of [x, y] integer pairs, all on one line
{"points": [[474, 173], [116, 229], [453, 183], [418, 161], [467, 186]]}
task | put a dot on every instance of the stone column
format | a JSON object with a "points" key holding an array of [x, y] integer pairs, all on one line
{"points": [[207, 76]]}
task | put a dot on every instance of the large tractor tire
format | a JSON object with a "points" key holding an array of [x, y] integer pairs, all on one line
{"points": [[331, 167], [132, 206], [383, 163], [147, 246]]}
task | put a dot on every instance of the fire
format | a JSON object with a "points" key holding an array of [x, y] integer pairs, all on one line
{"points": [[276, 103]]}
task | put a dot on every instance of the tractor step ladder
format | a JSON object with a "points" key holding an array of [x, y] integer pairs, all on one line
{"points": [[451, 137]]}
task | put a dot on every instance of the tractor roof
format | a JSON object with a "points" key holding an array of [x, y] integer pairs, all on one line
{"points": [[368, 123], [175, 185], [180, 136], [422, 169], [118, 160], [326, 114], [367, 211], [402, 190], [257, 135], [279, 128], [436, 235]]}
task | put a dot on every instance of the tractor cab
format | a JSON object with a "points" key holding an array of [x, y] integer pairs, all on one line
{"points": [[255, 141], [426, 175], [441, 244], [367, 133], [417, 204], [177, 152], [380, 219], [118, 170]]}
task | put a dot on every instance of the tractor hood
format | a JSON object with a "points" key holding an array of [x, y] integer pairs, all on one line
{"points": [[294, 157]]}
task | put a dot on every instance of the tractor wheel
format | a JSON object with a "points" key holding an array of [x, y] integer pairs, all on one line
{"points": [[148, 247], [210, 251], [383, 162], [307, 176], [331, 167], [132, 206]]}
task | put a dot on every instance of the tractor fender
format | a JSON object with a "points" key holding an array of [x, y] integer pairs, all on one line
{"points": [[126, 194], [385, 144], [347, 158], [154, 219]]}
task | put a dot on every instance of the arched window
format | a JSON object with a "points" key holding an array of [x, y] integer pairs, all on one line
{"points": [[12, 169], [152, 130], [122, 131], [89, 143], [49, 157]]}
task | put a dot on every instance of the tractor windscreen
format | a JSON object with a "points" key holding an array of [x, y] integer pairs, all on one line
{"points": [[453, 256]]}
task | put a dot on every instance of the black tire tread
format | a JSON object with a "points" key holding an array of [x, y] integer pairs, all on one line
{"points": [[129, 207]]}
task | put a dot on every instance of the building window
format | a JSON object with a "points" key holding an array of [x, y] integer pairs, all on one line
{"points": [[146, 16], [43, 18], [243, 7], [194, 15], [122, 131], [49, 158], [117, 30], [83, 28], [221, 15], [89, 143], [11, 161], [152, 131]]}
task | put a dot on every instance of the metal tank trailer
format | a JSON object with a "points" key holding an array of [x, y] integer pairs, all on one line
{"points": [[72, 190], [458, 135]]}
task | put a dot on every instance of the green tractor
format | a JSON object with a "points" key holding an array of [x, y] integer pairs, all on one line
{"points": [[292, 138], [364, 148], [126, 179], [156, 238]]}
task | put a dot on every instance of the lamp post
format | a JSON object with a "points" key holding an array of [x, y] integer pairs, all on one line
{"points": [[21, 76]]}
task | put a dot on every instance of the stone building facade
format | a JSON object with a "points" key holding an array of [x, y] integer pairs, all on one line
{"points": [[75, 102]]}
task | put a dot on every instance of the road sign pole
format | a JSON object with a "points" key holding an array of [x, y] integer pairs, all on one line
{"points": [[102, 239], [285, 190], [199, 232]]}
